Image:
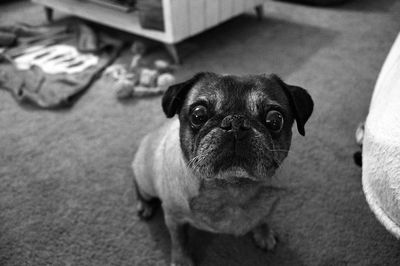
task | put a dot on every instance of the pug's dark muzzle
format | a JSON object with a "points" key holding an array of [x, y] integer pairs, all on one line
{"points": [[235, 150]]}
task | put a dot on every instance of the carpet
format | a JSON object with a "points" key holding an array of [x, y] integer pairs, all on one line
{"points": [[65, 177]]}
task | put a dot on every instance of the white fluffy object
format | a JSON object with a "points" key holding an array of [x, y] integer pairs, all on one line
{"points": [[381, 145]]}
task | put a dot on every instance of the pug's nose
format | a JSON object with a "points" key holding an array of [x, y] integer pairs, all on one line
{"points": [[235, 123]]}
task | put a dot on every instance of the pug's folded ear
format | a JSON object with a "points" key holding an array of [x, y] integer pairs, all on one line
{"points": [[175, 95], [300, 101]]}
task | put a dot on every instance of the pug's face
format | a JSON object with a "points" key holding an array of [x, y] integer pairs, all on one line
{"points": [[235, 128]]}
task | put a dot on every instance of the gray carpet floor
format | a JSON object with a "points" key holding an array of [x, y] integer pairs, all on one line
{"points": [[65, 189]]}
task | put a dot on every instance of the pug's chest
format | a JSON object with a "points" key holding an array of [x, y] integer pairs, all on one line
{"points": [[231, 210]]}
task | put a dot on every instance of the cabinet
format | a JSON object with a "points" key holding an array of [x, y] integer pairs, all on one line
{"points": [[182, 18]]}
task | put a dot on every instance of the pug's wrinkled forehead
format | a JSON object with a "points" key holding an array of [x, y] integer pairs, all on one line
{"points": [[245, 94]]}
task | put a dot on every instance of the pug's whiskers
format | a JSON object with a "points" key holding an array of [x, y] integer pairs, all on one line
{"points": [[196, 162], [280, 150], [193, 162], [275, 158]]}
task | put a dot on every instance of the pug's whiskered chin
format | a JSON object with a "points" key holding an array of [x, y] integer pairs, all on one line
{"points": [[233, 173]]}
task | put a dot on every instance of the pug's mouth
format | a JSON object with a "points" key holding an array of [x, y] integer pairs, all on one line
{"points": [[235, 174]]}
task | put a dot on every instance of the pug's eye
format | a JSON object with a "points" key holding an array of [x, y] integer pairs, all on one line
{"points": [[274, 121], [199, 115]]}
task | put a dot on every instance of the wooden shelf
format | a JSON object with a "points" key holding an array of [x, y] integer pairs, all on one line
{"points": [[111, 17]]}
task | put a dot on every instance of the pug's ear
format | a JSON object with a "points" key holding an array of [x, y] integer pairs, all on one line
{"points": [[300, 101], [175, 95]]}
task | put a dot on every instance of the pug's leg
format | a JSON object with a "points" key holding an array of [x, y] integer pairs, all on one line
{"points": [[264, 237], [179, 251], [146, 206]]}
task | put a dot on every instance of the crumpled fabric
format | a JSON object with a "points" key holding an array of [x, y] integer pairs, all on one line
{"points": [[43, 90], [23, 35]]}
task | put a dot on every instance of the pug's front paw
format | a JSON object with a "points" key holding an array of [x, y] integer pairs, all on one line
{"points": [[146, 209], [265, 238]]}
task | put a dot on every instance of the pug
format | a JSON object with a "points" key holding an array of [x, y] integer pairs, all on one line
{"points": [[211, 165]]}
